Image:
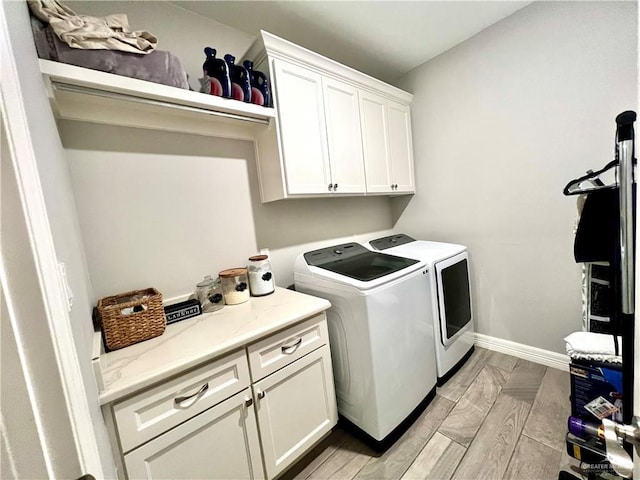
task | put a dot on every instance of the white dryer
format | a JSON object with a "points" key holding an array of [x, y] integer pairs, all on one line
{"points": [[450, 293], [381, 341]]}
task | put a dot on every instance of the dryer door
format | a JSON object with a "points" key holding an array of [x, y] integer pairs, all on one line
{"points": [[454, 297]]}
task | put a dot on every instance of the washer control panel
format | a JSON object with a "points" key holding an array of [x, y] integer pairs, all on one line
{"points": [[391, 241]]}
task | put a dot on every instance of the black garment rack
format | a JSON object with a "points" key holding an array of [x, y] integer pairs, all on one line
{"points": [[623, 252]]}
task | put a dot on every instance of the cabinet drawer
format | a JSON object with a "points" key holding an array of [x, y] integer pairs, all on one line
{"points": [[276, 351], [154, 411]]}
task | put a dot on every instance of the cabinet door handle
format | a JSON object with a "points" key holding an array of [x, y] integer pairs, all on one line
{"points": [[335, 187], [289, 349], [330, 186], [203, 388], [261, 394], [248, 401]]}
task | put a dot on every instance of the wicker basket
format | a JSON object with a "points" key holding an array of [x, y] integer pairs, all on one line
{"points": [[131, 317]]}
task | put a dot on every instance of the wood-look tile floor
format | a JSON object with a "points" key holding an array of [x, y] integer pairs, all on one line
{"points": [[498, 417]]}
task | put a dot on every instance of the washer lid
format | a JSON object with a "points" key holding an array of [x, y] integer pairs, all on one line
{"points": [[428, 251], [404, 245], [355, 261]]}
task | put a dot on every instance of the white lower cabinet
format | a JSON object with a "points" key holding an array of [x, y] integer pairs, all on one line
{"points": [[296, 407], [249, 414], [220, 443]]}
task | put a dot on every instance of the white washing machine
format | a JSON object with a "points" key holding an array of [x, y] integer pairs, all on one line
{"points": [[381, 341], [449, 289]]}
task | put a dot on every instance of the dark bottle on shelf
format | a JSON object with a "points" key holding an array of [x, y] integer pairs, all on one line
{"points": [[260, 92], [218, 72], [240, 86]]}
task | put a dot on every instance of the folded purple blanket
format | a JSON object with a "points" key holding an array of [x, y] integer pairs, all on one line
{"points": [[158, 66]]}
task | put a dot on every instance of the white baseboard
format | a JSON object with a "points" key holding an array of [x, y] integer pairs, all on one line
{"points": [[526, 352]]}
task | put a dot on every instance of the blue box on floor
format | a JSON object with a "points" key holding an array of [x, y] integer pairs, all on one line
{"points": [[596, 391]]}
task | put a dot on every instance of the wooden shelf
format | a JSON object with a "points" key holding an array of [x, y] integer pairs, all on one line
{"points": [[83, 94]]}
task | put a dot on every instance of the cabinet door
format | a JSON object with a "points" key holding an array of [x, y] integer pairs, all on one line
{"points": [[296, 407], [220, 443], [303, 137], [400, 147], [373, 114], [342, 113]]}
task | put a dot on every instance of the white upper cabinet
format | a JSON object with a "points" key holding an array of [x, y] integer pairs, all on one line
{"points": [[319, 132], [400, 147], [388, 150], [338, 131], [303, 137], [342, 114], [375, 142]]}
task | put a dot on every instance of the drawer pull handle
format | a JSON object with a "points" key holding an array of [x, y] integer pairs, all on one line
{"points": [[248, 401], [261, 394], [289, 349], [203, 389]]}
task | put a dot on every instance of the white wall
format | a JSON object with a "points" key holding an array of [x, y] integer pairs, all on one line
{"points": [[60, 203], [164, 209], [500, 124]]}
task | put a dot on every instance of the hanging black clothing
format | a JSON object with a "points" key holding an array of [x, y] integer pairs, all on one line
{"points": [[597, 238]]}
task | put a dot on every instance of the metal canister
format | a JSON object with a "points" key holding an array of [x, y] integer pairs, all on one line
{"points": [[260, 276]]}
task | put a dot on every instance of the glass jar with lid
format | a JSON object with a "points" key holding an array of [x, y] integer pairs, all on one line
{"points": [[235, 285], [260, 276], [209, 294]]}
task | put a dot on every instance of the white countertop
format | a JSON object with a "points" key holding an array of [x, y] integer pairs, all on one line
{"points": [[188, 343]]}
